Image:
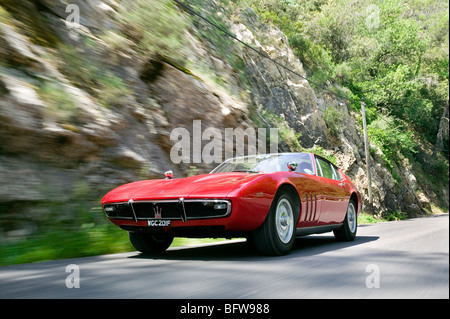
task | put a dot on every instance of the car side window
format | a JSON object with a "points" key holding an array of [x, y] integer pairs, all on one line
{"points": [[305, 165], [319, 169], [336, 175], [325, 168]]}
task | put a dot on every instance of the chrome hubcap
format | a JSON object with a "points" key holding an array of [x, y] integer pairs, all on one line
{"points": [[351, 217], [284, 219]]}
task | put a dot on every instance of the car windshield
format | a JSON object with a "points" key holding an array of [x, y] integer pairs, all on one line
{"points": [[267, 163]]}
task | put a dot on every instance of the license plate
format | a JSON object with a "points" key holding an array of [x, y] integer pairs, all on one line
{"points": [[158, 223]]}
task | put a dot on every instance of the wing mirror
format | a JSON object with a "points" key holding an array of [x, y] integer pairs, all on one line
{"points": [[169, 174], [292, 166]]}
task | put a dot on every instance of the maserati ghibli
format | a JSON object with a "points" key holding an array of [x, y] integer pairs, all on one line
{"points": [[270, 199]]}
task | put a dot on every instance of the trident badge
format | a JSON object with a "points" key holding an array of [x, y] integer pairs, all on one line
{"points": [[157, 210]]}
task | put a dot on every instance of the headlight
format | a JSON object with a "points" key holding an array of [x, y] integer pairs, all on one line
{"points": [[220, 206]]}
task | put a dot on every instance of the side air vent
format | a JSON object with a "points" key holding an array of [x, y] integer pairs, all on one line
{"points": [[310, 207]]}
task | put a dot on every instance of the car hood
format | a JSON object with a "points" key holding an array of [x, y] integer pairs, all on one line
{"points": [[216, 185]]}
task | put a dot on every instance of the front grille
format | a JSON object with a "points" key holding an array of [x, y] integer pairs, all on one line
{"points": [[169, 209]]}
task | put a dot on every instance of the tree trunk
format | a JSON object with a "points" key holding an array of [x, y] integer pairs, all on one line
{"points": [[439, 140]]}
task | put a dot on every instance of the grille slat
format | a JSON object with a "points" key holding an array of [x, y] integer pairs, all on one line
{"points": [[145, 210]]}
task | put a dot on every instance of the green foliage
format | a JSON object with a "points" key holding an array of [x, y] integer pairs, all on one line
{"points": [[438, 168], [25, 13], [58, 234], [393, 53], [61, 108], [397, 64], [99, 82], [112, 90], [396, 215], [334, 120], [365, 218], [285, 132], [157, 27], [292, 18], [316, 149], [225, 47], [392, 138]]}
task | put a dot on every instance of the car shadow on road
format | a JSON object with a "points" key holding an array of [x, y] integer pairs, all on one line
{"points": [[242, 250]]}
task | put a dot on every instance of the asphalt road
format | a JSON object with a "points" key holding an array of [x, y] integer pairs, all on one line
{"points": [[403, 259]]}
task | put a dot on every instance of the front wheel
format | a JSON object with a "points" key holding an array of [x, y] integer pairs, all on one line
{"points": [[347, 232], [150, 243], [276, 235]]}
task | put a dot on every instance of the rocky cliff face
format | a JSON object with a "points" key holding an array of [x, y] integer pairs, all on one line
{"points": [[82, 107]]}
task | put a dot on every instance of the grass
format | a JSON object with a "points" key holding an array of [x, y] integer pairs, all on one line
{"points": [[44, 249], [89, 240], [181, 241], [365, 218], [59, 236]]}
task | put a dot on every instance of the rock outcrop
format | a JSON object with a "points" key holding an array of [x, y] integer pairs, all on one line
{"points": [[86, 111]]}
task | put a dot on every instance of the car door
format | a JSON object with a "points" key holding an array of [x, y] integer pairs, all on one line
{"points": [[309, 189], [334, 196]]}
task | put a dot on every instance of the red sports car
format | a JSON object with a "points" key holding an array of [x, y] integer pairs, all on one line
{"points": [[270, 199]]}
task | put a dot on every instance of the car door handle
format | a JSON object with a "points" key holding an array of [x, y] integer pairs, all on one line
{"points": [[342, 184]]}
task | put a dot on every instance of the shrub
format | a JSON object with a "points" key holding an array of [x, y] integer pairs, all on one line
{"points": [[316, 149], [157, 27], [61, 107], [285, 132], [334, 120], [396, 215], [393, 139]]}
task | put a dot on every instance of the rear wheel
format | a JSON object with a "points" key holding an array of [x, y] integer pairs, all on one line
{"points": [[276, 235], [347, 232], [150, 243]]}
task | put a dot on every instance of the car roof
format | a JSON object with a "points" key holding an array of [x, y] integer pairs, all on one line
{"points": [[268, 154]]}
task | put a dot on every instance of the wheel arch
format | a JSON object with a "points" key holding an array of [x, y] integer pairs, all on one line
{"points": [[292, 191], [354, 198]]}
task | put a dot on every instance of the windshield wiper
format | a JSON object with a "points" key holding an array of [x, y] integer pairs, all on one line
{"points": [[244, 171]]}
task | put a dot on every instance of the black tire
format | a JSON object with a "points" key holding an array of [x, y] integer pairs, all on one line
{"points": [[150, 243], [347, 232], [276, 236]]}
